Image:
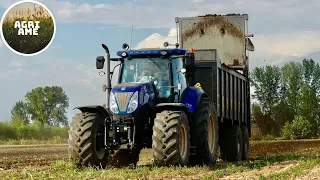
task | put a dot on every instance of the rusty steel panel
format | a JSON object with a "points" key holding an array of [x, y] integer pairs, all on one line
{"points": [[226, 33]]}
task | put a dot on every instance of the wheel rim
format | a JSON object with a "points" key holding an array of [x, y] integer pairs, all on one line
{"points": [[211, 133], [100, 150], [182, 141]]}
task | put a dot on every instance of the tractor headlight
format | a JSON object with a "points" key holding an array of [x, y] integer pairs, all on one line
{"points": [[133, 103], [113, 104]]}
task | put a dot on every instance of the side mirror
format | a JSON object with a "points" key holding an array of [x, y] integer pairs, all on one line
{"points": [[100, 62]]}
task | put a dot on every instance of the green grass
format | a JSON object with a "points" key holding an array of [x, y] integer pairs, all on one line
{"points": [[29, 44], [67, 170], [294, 172], [54, 140]]}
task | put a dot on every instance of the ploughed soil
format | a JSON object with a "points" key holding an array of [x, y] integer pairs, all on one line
{"points": [[15, 158]]}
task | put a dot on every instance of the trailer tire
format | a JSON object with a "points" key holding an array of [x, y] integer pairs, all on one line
{"points": [[123, 158], [86, 135], [205, 134], [231, 145], [171, 139], [245, 147]]}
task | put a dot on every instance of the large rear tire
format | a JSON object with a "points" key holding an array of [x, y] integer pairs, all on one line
{"points": [[205, 134], [245, 138], [86, 140], [231, 143], [171, 139]]}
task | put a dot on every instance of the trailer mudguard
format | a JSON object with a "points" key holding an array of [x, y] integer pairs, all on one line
{"points": [[191, 96], [93, 109]]}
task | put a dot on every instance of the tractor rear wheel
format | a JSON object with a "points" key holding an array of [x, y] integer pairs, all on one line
{"points": [[205, 135], [171, 139], [245, 147], [86, 140], [231, 143]]}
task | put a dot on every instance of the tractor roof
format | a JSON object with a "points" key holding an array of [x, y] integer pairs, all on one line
{"points": [[153, 52]]}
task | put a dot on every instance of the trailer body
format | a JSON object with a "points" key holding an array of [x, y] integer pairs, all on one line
{"points": [[221, 43]]}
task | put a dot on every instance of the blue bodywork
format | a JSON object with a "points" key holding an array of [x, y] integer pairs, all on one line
{"points": [[189, 97], [146, 88], [170, 52]]}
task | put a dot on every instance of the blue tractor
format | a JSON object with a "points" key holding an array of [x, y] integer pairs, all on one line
{"points": [[156, 104]]}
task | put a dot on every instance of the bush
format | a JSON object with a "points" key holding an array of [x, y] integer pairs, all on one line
{"points": [[32, 132], [300, 128]]}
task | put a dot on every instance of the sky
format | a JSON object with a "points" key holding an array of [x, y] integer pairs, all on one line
{"points": [[284, 30]]}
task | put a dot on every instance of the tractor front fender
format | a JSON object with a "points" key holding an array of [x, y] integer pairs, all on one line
{"points": [[172, 106], [94, 109], [191, 97]]}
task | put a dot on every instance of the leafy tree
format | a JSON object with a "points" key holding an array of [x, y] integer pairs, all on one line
{"points": [[48, 105], [267, 84], [285, 93], [266, 81], [19, 113]]}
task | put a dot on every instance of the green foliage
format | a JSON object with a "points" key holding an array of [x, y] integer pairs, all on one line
{"points": [[284, 93], [300, 128], [19, 113], [43, 105], [29, 44], [10, 131]]}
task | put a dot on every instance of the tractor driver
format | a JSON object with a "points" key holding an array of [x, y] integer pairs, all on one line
{"points": [[145, 76], [161, 81]]}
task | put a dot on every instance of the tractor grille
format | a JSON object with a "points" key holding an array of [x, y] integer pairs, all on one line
{"points": [[123, 99]]}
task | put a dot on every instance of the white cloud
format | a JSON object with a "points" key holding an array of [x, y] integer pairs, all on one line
{"points": [[276, 48], [156, 40]]}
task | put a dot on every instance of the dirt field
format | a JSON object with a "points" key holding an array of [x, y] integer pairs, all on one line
{"points": [[268, 160]]}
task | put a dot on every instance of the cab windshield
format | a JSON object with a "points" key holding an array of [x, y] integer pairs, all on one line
{"points": [[155, 70], [144, 69]]}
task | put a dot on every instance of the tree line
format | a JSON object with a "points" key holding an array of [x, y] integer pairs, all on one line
{"points": [[287, 99], [40, 116]]}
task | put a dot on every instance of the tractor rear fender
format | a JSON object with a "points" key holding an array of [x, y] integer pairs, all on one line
{"points": [[94, 109]]}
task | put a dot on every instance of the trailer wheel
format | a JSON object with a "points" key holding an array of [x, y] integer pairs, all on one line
{"points": [[245, 137], [171, 139], [124, 157], [205, 134], [86, 140], [231, 144]]}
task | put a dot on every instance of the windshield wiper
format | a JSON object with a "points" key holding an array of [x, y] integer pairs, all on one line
{"points": [[155, 64]]}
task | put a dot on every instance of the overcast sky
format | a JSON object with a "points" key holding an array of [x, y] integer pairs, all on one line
{"points": [[284, 30]]}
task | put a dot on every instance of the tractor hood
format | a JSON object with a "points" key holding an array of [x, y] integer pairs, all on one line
{"points": [[127, 97]]}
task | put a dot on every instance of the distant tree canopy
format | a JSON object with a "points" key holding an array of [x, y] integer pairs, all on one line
{"points": [[286, 93], [42, 105]]}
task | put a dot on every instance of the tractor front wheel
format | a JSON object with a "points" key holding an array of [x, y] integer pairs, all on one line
{"points": [[171, 139], [86, 140]]}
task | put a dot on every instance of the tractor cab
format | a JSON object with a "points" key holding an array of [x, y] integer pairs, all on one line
{"points": [[148, 75]]}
